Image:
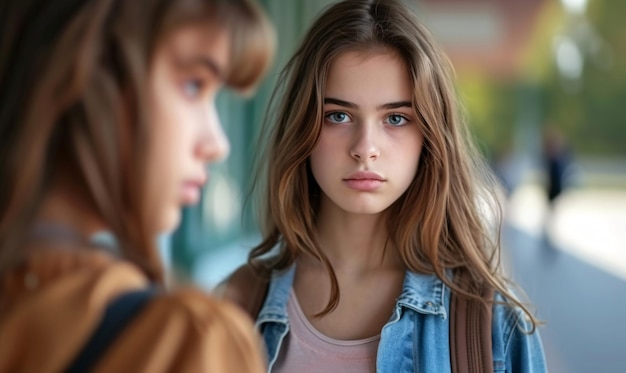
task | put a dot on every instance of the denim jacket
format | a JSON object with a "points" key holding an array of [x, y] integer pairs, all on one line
{"points": [[415, 339]]}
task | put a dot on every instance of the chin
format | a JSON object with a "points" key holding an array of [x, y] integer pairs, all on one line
{"points": [[362, 205], [363, 209], [169, 221]]}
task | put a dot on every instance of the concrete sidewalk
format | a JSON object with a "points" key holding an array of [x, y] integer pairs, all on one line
{"points": [[574, 272], [587, 223]]}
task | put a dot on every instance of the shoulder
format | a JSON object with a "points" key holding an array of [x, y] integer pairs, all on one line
{"points": [[516, 342], [508, 320], [184, 330], [193, 332], [246, 288], [204, 311], [257, 293]]}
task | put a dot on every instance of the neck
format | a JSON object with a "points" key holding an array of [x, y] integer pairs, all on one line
{"points": [[356, 242], [66, 205]]}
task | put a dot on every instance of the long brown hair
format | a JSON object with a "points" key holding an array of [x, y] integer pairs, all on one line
{"points": [[72, 80], [439, 223]]}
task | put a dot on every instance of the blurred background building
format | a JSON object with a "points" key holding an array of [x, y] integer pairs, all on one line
{"points": [[530, 73]]}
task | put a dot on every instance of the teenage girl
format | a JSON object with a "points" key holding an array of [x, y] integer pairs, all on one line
{"points": [[375, 206], [107, 123]]}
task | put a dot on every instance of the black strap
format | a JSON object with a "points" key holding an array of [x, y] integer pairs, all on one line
{"points": [[117, 316]]}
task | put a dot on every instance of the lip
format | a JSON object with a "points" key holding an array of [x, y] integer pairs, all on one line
{"points": [[191, 190], [364, 181], [365, 175]]}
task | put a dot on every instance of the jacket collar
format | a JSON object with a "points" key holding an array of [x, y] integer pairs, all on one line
{"points": [[275, 306], [422, 293]]}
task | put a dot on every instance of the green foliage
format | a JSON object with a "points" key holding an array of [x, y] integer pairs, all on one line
{"points": [[593, 113], [491, 111], [590, 112]]}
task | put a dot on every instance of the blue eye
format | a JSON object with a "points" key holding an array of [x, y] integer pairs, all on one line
{"points": [[338, 117], [192, 88], [397, 120]]}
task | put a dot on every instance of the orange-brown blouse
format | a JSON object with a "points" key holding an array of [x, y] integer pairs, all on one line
{"points": [[51, 306]]}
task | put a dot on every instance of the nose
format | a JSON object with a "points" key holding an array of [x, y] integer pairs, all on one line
{"points": [[214, 145], [364, 146]]}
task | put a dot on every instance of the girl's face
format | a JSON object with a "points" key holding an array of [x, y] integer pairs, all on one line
{"points": [[185, 135], [370, 143]]}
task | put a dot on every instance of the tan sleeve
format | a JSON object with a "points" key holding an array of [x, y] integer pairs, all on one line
{"points": [[186, 331]]}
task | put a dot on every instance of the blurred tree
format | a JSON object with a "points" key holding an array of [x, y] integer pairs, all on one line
{"points": [[591, 111], [588, 108], [490, 107]]}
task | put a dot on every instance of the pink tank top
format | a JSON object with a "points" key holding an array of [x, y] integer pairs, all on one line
{"points": [[305, 349]]}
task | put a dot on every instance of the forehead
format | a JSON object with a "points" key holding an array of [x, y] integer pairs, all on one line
{"points": [[379, 73], [210, 41]]}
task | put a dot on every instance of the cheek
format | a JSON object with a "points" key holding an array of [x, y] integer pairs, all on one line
{"points": [[409, 155], [330, 144], [416, 149], [175, 126], [166, 151], [171, 152], [316, 160], [323, 155]]}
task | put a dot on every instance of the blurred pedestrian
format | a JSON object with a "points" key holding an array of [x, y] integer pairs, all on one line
{"points": [[557, 161], [107, 123], [558, 165]]}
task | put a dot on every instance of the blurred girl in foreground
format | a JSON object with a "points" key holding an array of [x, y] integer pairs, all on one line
{"points": [[107, 124]]}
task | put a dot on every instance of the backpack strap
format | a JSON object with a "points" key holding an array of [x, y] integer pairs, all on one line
{"points": [[470, 334], [246, 289], [117, 316]]}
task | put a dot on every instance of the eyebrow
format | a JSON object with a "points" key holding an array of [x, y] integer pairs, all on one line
{"points": [[207, 63], [387, 106]]}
